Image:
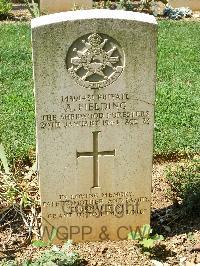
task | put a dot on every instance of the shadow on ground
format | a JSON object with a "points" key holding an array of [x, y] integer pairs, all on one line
{"points": [[172, 220]]}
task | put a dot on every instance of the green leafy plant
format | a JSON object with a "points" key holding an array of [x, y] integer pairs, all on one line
{"points": [[184, 181], [55, 257], [41, 243], [147, 6], [145, 237], [102, 4], [5, 8], [33, 8], [177, 13], [150, 6]]}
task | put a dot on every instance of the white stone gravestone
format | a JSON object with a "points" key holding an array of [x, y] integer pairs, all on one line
{"points": [[94, 74], [54, 6]]}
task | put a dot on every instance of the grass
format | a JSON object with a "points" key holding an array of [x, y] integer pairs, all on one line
{"points": [[17, 125], [177, 102], [178, 88]]}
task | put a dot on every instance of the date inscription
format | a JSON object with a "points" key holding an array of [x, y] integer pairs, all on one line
{"points": [[95, 110]]}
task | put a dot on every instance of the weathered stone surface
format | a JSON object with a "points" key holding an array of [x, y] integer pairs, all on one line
{"points": [[192, 4], [94, 75], [52, 6]]}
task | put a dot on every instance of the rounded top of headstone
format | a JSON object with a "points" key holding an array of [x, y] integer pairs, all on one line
{"points": [[92, 14]]}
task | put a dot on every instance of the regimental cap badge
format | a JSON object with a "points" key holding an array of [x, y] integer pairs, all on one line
{"points": [[95, 61]]}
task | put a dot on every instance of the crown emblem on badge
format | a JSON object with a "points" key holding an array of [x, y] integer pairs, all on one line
{"points": [[97, 64]]}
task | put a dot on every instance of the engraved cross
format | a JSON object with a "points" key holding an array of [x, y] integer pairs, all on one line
{"points": [[95, 154]]}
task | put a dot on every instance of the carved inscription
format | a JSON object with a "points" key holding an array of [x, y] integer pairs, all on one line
{"points": [[94, 110], [95, 61], [118, 204]]}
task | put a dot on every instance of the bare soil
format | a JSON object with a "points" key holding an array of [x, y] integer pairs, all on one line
{"points": [[182, 235]]}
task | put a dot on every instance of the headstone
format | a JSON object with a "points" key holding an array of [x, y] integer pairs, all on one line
{"points": [[54, 6], [94, 75], [192, 4]]}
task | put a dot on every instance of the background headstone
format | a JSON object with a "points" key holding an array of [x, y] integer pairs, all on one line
{"points": [[53, 6], [94, 75], [192, 4]]}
